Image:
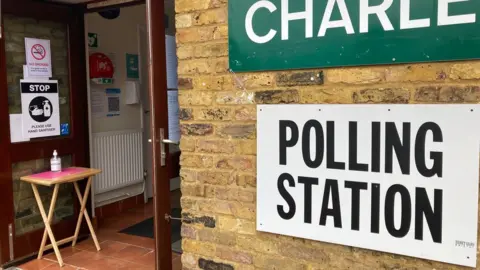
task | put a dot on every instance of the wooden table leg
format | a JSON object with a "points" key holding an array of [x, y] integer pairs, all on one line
{"points": [[51, 211], [47, 221], [83, 212]]}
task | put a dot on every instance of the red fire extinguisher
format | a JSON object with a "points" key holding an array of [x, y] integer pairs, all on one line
{"points": [[100, 66]]}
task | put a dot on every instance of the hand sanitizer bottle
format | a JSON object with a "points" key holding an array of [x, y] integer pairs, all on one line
{"points": [[55, 162]]}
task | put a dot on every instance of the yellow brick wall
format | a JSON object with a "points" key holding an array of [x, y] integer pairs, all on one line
{"points": [[218, 118]]}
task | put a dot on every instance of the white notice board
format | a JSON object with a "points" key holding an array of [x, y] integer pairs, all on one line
{"points": [[394, 178]]}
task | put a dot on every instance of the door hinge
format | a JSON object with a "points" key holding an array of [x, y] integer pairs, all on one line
{"points": [[10, 241], [168, 218]]}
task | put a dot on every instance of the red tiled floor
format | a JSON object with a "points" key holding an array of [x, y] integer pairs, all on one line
{"points": [[36, 264], [119, 251]]}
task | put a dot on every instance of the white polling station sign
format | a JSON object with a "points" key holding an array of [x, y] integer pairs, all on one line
{"points": [[395, 178], [40, 108], [39, 57]]}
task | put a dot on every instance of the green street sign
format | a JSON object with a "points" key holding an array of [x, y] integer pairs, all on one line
{"points": [[297, 34], [92, 40]]}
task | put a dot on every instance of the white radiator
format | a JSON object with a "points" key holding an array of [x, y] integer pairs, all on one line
{"points": [[120, 157]]}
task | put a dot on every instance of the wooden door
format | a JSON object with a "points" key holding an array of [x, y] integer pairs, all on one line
{"points": [[162, 168], [64, 26]]}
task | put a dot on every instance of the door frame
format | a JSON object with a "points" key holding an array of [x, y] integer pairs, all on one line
{"points": [[161, 175], [159, 120], [76, 144]]}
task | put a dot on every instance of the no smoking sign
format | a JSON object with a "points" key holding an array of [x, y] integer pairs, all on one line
{"points": [[39, 57], [38, 52]]}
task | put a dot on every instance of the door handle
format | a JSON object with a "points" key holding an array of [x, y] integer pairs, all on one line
{"points": [[163, 152], [167, 141]]}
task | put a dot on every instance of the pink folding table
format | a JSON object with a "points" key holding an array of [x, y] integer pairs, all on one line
{"points": [[69, 175]]}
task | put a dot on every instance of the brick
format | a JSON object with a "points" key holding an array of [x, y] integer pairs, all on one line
{"points": [[300, 78], [188, 203], [215, 146], [210, 16], [192, 190], [196, 129], [194, 98], [234, 194], [246, 113], [237, 131], [211, 50], [239, 97], [185, 52], [183, 20], [233, 224], [417, 73], [220, 32], [245, 180], [195, 66], [221, 65], [212, 83], [382, 95], [243, 210], [189, 232], [238, 163], [465, 71], [190, 5], [214, 177], [185, 83], [234, 255], [208, 222], [303, 252], [196, 161], [355, 75], [222, 238], [246, 147], [257, 80], [427, 94], [277, 263], [277, 97], [213, 114], [219, 207], [197, 247], [187, 144], [196, 34], [185, 114], [326, 96], [189, 260], [188, 175], [212, 265], [257, 244], [460, 94], [218, 3]]}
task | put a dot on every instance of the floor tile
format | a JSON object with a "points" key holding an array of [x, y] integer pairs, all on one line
{"points": [[36, 265], [64, 252], [147, 259], [130, 253], [56, 266], [83, 259], [119, 251]]}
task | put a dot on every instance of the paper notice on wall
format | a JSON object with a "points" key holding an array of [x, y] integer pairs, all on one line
{"points": [[97, 98], [39, 57], [40, 108], [27, 76], [16, 125], [173, 116], [113, 101]]}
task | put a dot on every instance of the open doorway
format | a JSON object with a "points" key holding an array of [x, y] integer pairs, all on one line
{"points": [[121, 126], [121, 118]]}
